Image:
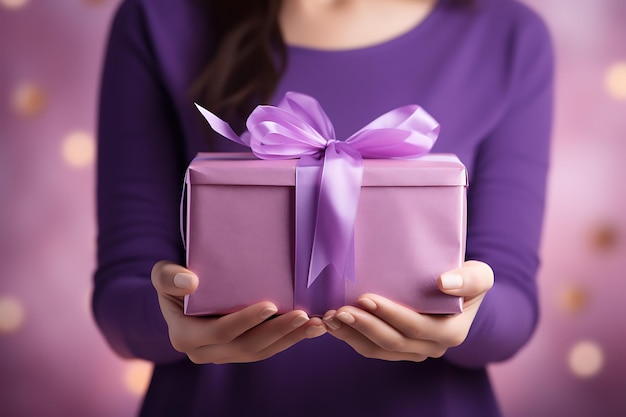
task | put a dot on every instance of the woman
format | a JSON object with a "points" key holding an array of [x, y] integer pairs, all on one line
{"points": [[482, 69]]}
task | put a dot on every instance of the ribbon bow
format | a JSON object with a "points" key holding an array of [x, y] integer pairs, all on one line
{"points": [[298, 127]]}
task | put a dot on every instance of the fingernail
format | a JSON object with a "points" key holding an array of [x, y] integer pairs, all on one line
{"points": [[346, 317], [451, 281], [299, 321], [332, 323], [268, 312], [368, 303], [314, 331], [183, 280]]}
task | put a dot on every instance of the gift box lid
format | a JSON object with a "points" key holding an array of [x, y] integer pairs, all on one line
{"points": [[428, 170]]}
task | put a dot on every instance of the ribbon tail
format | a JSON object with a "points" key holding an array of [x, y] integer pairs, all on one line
{"points": [[340, 187], [222, 127]]}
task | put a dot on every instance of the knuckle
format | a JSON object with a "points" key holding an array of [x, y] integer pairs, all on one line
{"points": [[159, 267], [370, 352], [155, 273], [455, 339], [438, 352], [484, 271], [178, 343], [394, 344], [414, 333], [178, 346], [211, 354], [489, 275], [196, 359]]}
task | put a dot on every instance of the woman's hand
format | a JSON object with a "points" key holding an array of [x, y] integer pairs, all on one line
{"points": [[243, 336], [383, 329]]}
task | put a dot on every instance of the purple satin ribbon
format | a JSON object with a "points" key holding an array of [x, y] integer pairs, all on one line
{"points": [[329, 173]]}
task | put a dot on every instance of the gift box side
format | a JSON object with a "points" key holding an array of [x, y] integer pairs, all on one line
{"points": [[240, 244], [405, 237]]}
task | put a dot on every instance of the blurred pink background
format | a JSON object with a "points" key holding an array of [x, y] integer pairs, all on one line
{"points": [[54, 362]]}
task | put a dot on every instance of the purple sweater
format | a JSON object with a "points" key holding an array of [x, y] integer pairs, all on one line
{"points": [[484, 73]]}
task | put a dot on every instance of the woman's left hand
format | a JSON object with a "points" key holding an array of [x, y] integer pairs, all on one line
{"points": [[386, 330]]}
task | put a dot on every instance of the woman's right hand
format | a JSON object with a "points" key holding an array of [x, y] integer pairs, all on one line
{"points": [[244, 336]]}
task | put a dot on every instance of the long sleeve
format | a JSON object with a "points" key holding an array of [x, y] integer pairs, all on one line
{"points": [[140, 173], [506, 202]]}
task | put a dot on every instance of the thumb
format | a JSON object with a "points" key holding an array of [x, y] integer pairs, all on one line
{"points": [[472, 279], [172, 279]]}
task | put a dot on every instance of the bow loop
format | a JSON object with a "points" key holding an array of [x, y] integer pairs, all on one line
{"points": [[276, 133], [402, 133], [309, 110]]}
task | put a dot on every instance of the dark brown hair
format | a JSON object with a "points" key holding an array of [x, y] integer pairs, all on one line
{"points": [[250, 57]]}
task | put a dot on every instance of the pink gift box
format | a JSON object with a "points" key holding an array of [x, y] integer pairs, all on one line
{"points": [[240, 222]]}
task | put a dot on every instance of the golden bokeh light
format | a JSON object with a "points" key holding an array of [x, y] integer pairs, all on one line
{"points": [[28, 99], [586, 359], [79, 149], [615, 80], [11, 314], [574, 299], [604, 237], [13, 4], [137, 377]]}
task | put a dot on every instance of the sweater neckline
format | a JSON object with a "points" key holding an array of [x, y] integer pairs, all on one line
{"points": [[429, 20]]}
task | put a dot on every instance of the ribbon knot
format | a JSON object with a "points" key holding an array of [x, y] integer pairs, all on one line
{"points": [[329, 173]]}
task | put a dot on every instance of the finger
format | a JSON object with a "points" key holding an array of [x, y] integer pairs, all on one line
{"points": [[171, 279], [384, 334], [472, 279], [311, 329], [188, 333], [260, 337], [262, 341], [294, 325], [365, 346], [437, 330]]}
